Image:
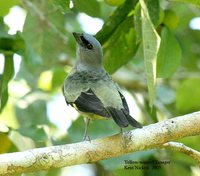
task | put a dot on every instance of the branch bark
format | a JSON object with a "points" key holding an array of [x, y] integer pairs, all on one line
{"points": [[179, 147], [150, 136]]}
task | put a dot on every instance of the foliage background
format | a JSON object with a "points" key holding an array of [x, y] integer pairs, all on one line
{"points": [[130, 34]]}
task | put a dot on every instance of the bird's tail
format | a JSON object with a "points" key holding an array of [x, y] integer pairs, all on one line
{"points": [[122, 118], [133, 122]]}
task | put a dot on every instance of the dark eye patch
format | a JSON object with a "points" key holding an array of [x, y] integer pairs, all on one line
{"points": [[87, 44]]}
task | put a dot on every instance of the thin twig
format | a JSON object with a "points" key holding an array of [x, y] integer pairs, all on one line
{"points": [[179, 147]]}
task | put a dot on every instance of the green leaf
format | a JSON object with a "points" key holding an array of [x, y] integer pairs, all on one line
{"points": [[137, 23], [181, 163], [8, 73], [21, 142], [169, 55], [62, 5], [191, 141], [6, 5], [194, 2], [5, 143], [154, 13], [121, 46], [153, 7], [11, 43], [151, 42], [54, 172], [44, 32], [27, 73], [188, 96], [115, 20], [170, 19], [91, 7], [31, 109], [113, 163], [36, 133], [59, 76]]}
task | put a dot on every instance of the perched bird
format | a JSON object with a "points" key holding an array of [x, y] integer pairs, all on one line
{"points": [[91, 90]]}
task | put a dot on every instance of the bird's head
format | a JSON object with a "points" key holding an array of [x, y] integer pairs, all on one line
{"points": [[89, 51]]}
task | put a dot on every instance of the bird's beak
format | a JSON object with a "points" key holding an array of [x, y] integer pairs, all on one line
{"points": [[77, 36]]}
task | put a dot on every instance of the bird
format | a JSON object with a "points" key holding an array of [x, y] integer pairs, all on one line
{"points": [[91, 90]]}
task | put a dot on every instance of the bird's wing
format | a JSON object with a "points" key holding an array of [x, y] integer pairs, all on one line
{"points": [[88, 102], [125, 105], [114, 102], [102, 98]]}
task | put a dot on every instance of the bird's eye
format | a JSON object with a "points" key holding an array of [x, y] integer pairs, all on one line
{"points": [[86, 43], [89, 46]]}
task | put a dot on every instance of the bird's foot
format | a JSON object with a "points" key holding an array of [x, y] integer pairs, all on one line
{"points": [[86, 138], [121, 131]]}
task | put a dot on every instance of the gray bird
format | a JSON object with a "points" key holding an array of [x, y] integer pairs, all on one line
{"points": [[91, 90]]}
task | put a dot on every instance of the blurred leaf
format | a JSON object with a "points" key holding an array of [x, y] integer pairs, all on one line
{"points": [[191, 141], [181, 163], [155, 169], [50, 80], [8, 73], [119, 162], [62, 5], [72, 25], [115, 20], [169, 55], [190, 50], [188, 96], [54, 172], [31, 109], [44, 32], [59, 76], [166, 94], [2, 24], [114, 2], [195, 2], [152, 113], [128, 172], [37, 133], [20, 141], [151, 42], [106, 10], [100, 170], [138, 23], [45, 80], [5, 142], [6, 5], [4, 128], [11, 43], [96, 129], [27, 74], [121, 46], [153, 7], [92, 7], [1, 82], [51, 172], [171, 19]]}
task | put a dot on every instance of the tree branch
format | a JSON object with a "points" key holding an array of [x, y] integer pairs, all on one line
{"points": [[179, 147], [150, 136]]}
